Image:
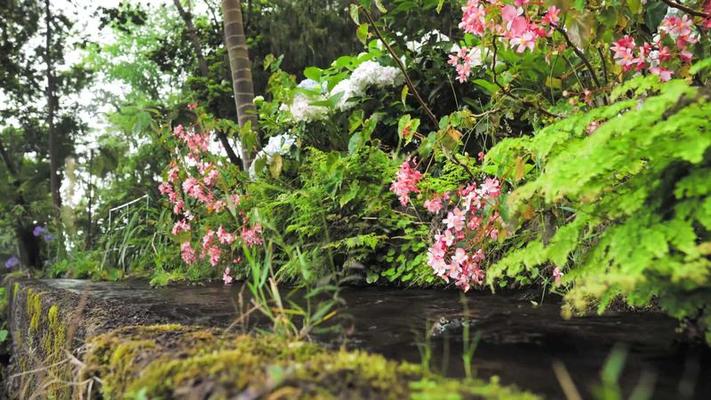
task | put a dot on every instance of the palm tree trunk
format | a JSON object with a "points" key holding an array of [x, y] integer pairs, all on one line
{"points": [[242, 84]]}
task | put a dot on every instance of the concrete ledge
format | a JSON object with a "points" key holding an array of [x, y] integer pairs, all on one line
{"points": [[72, 346]]}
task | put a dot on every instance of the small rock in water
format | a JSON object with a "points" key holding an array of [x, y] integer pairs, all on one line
{"points": [[448, 325]]}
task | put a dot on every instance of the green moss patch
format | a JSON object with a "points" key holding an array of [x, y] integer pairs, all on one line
{"points": [[176, 361]]}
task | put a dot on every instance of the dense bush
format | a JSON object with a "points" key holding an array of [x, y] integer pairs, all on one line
{"points": [[618, 198]]}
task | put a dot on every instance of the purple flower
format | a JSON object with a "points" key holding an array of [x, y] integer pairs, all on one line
{"points": [[39, 231], [12, 262]]}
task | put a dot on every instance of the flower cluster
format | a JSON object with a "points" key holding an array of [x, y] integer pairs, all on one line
{"points": [[12, 262], [41, 231], [406, 182], [471, 219], [463, 60], [192, 188], [519, 26], [366, 75], [672, 42]]}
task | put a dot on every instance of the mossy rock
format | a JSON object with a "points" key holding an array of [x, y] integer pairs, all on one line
{"points": [[48, 327], [175, 361]]}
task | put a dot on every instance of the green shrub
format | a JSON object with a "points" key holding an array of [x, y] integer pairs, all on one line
{"points": [[619, 198]]}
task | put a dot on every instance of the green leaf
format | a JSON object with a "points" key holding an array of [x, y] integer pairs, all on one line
{"points": [[354, 143], [355, 120], [362, 33], [355, 13], [380, 7], [403, 94], [313, 73]]}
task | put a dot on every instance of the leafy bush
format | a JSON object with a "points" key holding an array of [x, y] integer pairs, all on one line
{"points": [[620, 198]]}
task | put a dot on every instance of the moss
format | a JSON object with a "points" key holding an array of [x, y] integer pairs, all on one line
{"points": [[167, 361], [34, 310], [41, 340]]}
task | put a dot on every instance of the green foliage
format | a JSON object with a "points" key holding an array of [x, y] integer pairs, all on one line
{"points": [[339, 207], [624, 208]]}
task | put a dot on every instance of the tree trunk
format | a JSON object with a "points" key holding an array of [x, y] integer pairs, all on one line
{"points": [[54, 177], [242, 84], [205, 72], [194, 40], [29, 244]]}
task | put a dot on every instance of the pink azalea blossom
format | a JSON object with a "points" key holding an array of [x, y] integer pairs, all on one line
{"points": [[434, 204], [557, 275], [252, 236], [225, 237], [188, 253], [215, 253], [406, 182], [526, 40], [552, 16], [226, 277], [455, 220], [180, 226]]}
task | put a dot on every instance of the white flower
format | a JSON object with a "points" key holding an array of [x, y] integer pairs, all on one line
{"points": [[416, 45], [279, 144], [367, 74]]}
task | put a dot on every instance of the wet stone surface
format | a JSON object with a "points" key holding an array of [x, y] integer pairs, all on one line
{"points": [[518, 341]]}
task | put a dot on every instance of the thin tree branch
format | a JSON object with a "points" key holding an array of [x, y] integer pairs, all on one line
{"points": [[8, 161], [234, 159], [686, 9], [394, 55], [579, 53]]}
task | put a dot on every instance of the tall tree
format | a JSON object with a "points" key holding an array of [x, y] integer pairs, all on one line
{"points": [[204, 71], [55, 179], [242, 84]]}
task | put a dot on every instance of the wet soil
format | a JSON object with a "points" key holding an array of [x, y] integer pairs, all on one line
{"points": [[518, 340]]}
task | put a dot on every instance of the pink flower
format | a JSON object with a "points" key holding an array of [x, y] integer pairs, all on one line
{"points": [[557, 275], [552, 16], [406, 182], [211, 176], [180, 226], [509, 13], [460, 256], [663, 73], [226, 277], [207, 240], [188, 253], [178, 207], [455, 220], [225, 237], [165, 188], [491, 187], [527, 40], [252, 236], [214, 252], [191, 186], [481, 156], [434, 204], [173, 173], [192, 106], [473, 19]]}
